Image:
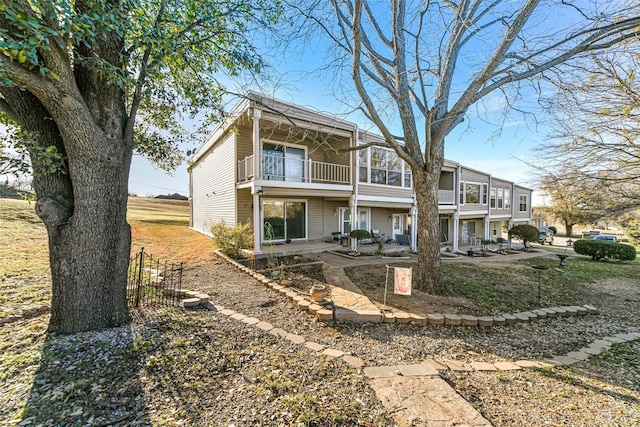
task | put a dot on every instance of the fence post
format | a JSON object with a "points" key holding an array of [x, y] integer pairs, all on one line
{"points": [[139, 287]]}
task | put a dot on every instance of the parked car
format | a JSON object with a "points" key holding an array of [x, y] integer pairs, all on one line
{"points": [[546, 237], [606, 238]]}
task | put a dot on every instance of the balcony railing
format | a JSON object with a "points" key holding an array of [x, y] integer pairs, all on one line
{"points": [[446, 197], [279, 168]]}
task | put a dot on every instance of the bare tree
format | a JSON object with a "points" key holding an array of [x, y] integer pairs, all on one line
{"points": [[425, 63], [597, 126]]}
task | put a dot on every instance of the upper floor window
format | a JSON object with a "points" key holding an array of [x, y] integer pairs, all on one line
{"points": [[382, 166], [493, 198], [485, 193], [500, 198], [470, 193], [523, 203], [507, 198]]}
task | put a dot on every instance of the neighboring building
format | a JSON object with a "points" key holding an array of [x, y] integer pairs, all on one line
{"points": [[174, 196], [294, 168]]}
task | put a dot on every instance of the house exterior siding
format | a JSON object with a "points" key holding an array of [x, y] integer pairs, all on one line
{"points": [[213, 191], [309, 162]]}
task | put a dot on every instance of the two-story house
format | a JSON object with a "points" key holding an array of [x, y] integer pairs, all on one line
{"points": [[298, 175]]}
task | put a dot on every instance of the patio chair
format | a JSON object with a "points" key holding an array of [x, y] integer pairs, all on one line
{"points": [[376, 236]]}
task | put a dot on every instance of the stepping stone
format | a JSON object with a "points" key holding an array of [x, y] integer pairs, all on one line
{"points": [[485, 321], [203, 297], [296, 339], [356, 362], [521, 317], [381, 371], [291, 295], [344, 314], [571, 310], [435, 319], [266, 281], [297, 299], [417, 370], [564, 360], [369, 316], [313, 346], [539, 312], [550, 363], [332, 352], [499, 320], [581, 311], [436, 365], [469, 320], [264, 326], [314, 308], [304, 304], [530, 315], [389, 318], [594, 351], [506, 366], [283, 291], [191, 294], [626, 337], [510, 318], [482, 366], [578, 355], [635, 334], [613, 339], [227, 312], [190, 302], [417, 319], [238, 316], [550, 311], [527, 364], [279, 332], [324, 315], [250, 320], [402, 317], [559, 311], [452, 319], [591, 309], [459, 366]]}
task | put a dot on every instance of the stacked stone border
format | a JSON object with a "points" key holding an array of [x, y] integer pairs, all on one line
{"points": [[341, 314]]}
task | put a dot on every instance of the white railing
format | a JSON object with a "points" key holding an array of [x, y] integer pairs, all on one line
{"points": [[245, 169], [446, 197], [278, 168]]}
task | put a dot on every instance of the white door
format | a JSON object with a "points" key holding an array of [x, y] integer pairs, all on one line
{"points": [[397, 224]]}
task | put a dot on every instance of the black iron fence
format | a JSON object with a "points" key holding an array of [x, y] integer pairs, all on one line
{"points": [[152, 282]]}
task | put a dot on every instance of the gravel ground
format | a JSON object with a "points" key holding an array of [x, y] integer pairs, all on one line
{"points": [[598, 392], [198, 368]]}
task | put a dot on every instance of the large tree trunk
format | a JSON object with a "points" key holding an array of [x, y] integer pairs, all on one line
{"points": [[90, 253], [430, 278], [569, 228]]}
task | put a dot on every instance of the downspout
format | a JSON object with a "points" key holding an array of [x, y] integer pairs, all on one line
{"points": [[456, 214], [353, 205], [257, 174], [487, 224]]}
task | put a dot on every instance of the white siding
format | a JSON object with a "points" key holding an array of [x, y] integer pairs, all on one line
{"points": [[213, 181]]}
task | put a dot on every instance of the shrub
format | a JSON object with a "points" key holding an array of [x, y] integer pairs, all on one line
{"points": [[232, 239], [359, 235], [553, 229], [602, 249], [524, 232]]}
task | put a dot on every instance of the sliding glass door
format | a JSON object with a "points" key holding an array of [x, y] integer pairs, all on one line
{"points": [[287, 220]]}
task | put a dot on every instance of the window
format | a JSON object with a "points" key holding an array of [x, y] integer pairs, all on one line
{"points": [[378, 166], [382, 166], [361, 220], [493, 198], [462, 193], [500, 198], [507, 198], [472, 193], [363, 165], [283, 162], [523, 203], [485, 193]]}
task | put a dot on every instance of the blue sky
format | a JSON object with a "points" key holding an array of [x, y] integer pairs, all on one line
{"points": [[488, 140]]}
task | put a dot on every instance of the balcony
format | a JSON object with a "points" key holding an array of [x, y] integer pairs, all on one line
{"points": [[291, 169], [446, 197]]}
